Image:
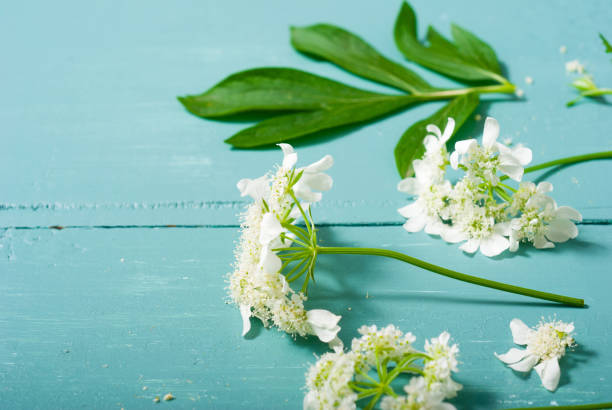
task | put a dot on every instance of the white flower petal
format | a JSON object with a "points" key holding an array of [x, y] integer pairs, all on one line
{"points": [[526, 364], [464, 146], [290, 156], [490, 133], [454, 160], [522, 154], [336, 344], [408, 186], [514, 245], [433, 129], [452, 235], [303, 192], [431, 143], [550, 373], [434, 227], [324, 324], [540, 242], [415, 224], [502, 228], [448, 130], [470, 246], [544, 187], [511, 167], [560, 230], [269, 262], [321, 165], [422, 171], [568, 213], [245, 312], [512, 356], [270, 227], [520, 331], [411, 210], [541, 201], [317, 182], [493, 245], [255, 188]]}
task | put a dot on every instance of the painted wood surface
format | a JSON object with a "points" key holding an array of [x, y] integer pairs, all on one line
{"points": [[94, 140]]}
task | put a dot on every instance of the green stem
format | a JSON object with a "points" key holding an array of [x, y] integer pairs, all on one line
{"points": [[505, 88], [566, 161], [594, 406], [452, 274]]}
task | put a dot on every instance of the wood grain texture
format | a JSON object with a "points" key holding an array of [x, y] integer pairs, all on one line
{"points": [[94, 141], [89, 115], [90, 317]]}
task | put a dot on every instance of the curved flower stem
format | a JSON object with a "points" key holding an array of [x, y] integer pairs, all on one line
{"points": [[452, 274], [594, 406], [566, 161]]}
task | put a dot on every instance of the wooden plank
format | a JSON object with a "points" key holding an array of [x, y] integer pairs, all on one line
{"points": [[90, 112], [90, 317]]}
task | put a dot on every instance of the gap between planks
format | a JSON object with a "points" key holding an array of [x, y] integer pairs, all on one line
{"points": [[236, 226]]}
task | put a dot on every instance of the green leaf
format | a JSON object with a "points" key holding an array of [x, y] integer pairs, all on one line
{"points": [[410, 145], [467, 59], [606, 43], [474, 49], [350, 52], [291, 126], [274, 89]]}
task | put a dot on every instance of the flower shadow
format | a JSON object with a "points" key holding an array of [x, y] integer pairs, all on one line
{"points": [[575, 358], [468, 396], [579, 245], [552, 171]]}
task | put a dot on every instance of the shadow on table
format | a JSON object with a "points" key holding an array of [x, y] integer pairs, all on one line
{"points": [[467, 397], [574, 358]]}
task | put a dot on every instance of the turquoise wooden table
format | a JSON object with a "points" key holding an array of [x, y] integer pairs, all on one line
{"points": [[128, 301]]}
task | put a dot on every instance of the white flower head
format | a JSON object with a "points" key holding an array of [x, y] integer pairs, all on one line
{"points": [[386, 343], [426, 210], [328, 382], [546, 344], [480, 210], [336, 379], [477, 220], [257, 286], [428, 183], [486, 160], [540, 220]]}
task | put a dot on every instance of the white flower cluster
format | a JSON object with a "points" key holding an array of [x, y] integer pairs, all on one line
{"points": [[257, 285], [337, 380], [480, 210], [546, 344]]}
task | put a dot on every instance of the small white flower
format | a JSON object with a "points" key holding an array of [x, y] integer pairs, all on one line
{"points": [[541, 221], [313, 179], [475, 223], [443, 357], [428, 183], [328, 382], [486, 160], [324, 324], [388, 342], [574, 66], [546, 344], [425, 211]]}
